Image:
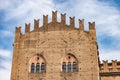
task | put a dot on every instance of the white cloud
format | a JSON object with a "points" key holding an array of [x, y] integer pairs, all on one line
{"points": [[110, 55], [5, 53], [4, 4], [26, 11], [5, 64], [6, 33], [107, 19], [5, 72], [29, 9]]}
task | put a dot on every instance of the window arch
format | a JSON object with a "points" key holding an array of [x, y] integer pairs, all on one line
{"points": [[37, 64], [69, 63]]}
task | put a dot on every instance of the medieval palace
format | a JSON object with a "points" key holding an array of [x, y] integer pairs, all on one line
{"points": [[57, 51]]}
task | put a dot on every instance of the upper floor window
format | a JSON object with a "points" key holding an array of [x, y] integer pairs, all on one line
{"points": [[37, 67], [75, 66], [69, 63], [64, 66], [69, 67], [32, 68], [37, 64], [43, 66]]}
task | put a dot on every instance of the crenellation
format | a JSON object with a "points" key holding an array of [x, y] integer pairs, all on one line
{"points": [[36, 25], [18, 34], [18, 29], [91, 25], [109, 66], [81, 24], [92, 30], [45, 20], [27, 28], [72, 21], [105, 65], [63, 18], [114, 65], [61, 45], [45, 27], [54, 16], [45, 23], [110, 70]]}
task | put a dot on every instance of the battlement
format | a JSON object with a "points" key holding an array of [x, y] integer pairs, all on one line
{"points": [[54, 20], [113, 66], [55, 48], [54, 25]]}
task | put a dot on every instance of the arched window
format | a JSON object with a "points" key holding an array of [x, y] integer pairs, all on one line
{"points": [[32, 68], [75, 66], [37, 67], [64, 67], [43, 67], [37, 64], [69, 63]]}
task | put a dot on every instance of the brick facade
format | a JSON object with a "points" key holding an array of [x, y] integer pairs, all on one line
{"points": [[53, 44], [110, 70]]}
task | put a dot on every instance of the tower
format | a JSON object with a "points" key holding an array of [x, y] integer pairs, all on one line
{"points": [[55, 51]]}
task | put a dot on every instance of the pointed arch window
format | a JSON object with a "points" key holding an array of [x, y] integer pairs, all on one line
{"points": [[70, 63], [37, 64]]}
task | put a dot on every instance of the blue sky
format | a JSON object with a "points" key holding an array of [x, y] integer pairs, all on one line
{"points": [[106, 14]]}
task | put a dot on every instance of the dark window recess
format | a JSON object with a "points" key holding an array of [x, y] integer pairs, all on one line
{"points": [[64, 67], [75, 66], [43, 66], [118, 69], [69, 66], [118, 63], [109, 64], [37, 68], [110, 69], [32, 68]]}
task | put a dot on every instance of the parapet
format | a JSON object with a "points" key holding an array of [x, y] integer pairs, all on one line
{"points": [[113, 66], [63, 24]]}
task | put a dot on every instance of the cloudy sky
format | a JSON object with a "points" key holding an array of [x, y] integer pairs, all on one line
{"points": [[106, 14]]}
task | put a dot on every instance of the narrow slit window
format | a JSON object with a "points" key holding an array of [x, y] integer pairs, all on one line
{"points": [[37, 68], [74, 66], [69, 66], [32, 68], [43, 66], [64, 67]]}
